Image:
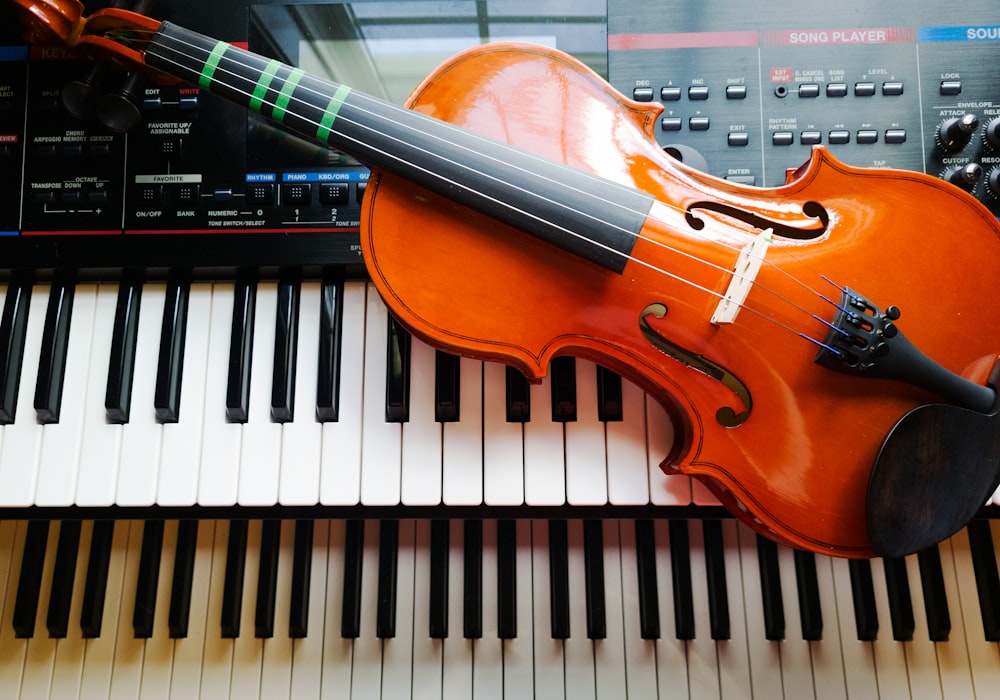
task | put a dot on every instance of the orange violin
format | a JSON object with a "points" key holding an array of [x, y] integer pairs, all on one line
{"points": [[827, 349]]}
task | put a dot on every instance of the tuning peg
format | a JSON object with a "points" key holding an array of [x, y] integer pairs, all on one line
{"points": [[119, 110]]}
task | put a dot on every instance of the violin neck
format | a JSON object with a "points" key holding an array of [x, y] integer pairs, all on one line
{"points": [[580, 213]]}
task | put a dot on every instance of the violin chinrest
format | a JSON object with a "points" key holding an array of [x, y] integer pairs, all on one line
{"points": [[934, 471]]}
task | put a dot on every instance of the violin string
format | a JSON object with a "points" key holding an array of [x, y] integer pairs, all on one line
{"points": [[342, 118]]}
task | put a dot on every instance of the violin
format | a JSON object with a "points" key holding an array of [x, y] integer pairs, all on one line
{"points": [[826, 349]]}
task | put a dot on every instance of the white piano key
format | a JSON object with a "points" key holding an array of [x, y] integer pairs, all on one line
{"points": [[969, 665], [503, 442], [189, 651], [307, 653], [340, 467], [548, 652], [609, 653], [14, 650], [397, 652], [671, 653], [126, 669], [578, 650], [381, 441], [628, 472], [859, 657], [138, 473], [247, 649], [518, 681], [366, 670], [586, 455], [40, 657], [101, 442], [422, 450], [180, 461], [544, 451], [58, 467], [664, 489], [158, 656], [100, 655], [220, 450], [735, 676], [462, 468], [68, 670], [796, 665], [640, 654], [301, 438], [260, 450], [701, 496], [427, 652], [338, 653], [829, 669], [703, 658], [921, 653], [276, 657], [21, 441], [764, 656], [890, 658], [456, 679], [487, 652], [217, 653]]}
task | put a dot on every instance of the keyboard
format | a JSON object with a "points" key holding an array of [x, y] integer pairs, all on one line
{"points": [[484, 608]]}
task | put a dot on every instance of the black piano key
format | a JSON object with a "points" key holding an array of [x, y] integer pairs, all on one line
{"points": [[29, 584], [12, 335], [935, 599], [286, 333], [331, 320], [148, 579], [897, 583], [863, 595], [121, 364], [170, 365], [267, 581], [440, 545], [240, 355], [180, 590], [63, 575], [472, 583], [354, 549], [770, 589], [559, 579], [52, 355], [518, 395], [232, 586], [807, 583], [609, 395], [715, 579], [984, 566], [680, 566], [96, 586], [593, 567], [298, 617], [388, 563], [507, 579], [447, 387], [563, 373], [397, 381], [649, 601]]}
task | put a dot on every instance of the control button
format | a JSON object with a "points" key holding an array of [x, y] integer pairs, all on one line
{"points": [[742, 179], [840, 136], [187, 195], [809, 90], [101, 149], [811, 138], [98, 196], [71, 197], [864, 89], [152, 104], [951, 87], [782, 138], [698, 92], [836, 90], [222, 195], [151, 196], [260, 193], [736, 92], [45, 150], [44, 196], [73, 150], [893, 87], [296, 193], [867, 136], [698, 123], [188, 102], [362, 186], [670, 94], [895, 135], [333, 193], [739, 138], [172, 148], [671, 124], [643, 94], [6, 150]]}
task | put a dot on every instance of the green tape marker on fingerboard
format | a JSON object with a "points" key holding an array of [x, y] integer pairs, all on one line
{"points": [[330, 114], [211, 64], [260, 89], [285, 96]]}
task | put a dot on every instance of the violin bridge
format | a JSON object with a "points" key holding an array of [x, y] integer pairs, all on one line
{"points": [[744, 275]]}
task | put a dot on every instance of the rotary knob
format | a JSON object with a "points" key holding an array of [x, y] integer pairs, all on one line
{"points": [[992, 133], [993, 183], [954, 134], [964, 176]]}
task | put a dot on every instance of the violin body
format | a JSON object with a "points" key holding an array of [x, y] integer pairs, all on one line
{"points": [[798, 467]]}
